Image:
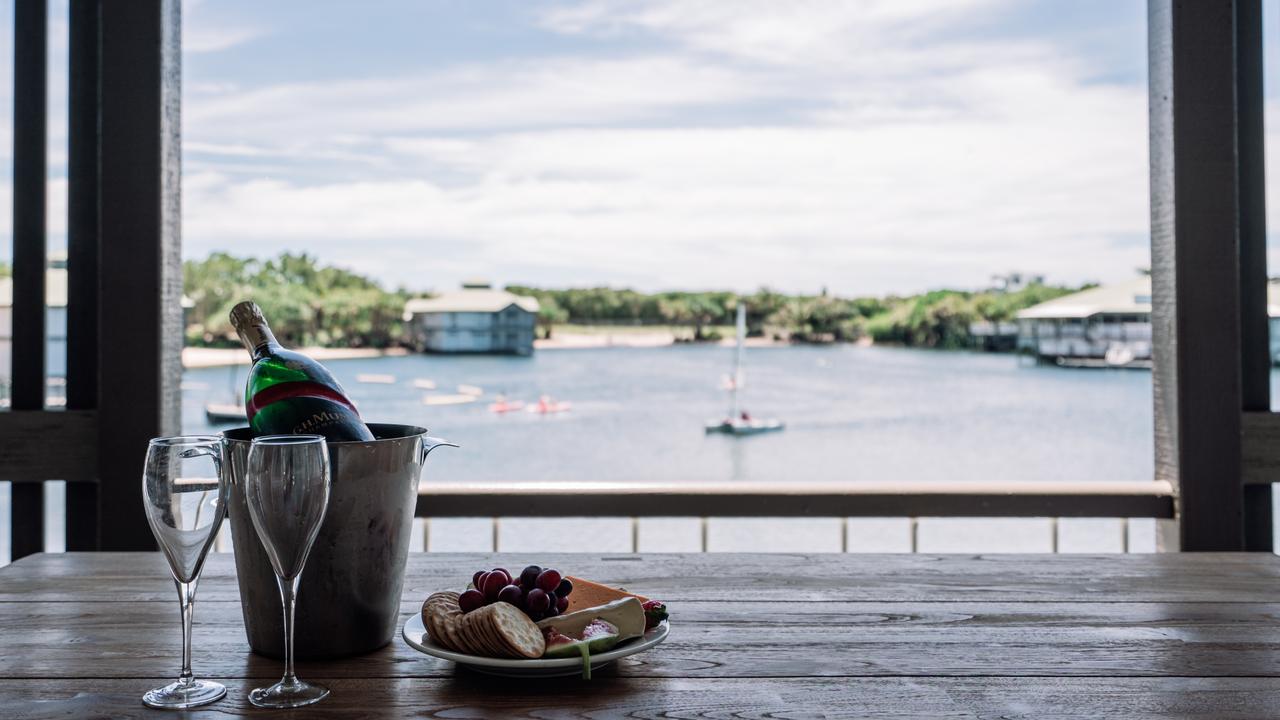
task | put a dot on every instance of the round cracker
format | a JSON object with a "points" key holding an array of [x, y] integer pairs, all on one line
{"points": [[517, 631]]}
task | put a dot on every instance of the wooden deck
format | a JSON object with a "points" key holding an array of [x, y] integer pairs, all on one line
{"points": [[1192, 635]]}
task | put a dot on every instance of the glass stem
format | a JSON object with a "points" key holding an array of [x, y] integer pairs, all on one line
{"points": [[187, 599], [288, 595]]}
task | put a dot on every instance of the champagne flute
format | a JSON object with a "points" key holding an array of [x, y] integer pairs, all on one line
{"points": [[287, 491], [185, 501]]}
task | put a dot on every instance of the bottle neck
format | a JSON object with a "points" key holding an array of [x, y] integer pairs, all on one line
{"points": [[258, 340]]}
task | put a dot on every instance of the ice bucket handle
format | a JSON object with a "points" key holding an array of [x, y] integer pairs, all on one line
{"points": [[431, 443]]}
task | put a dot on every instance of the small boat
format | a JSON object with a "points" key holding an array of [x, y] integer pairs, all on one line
{"points": [[502, 405], [376, 379], [744, 426], [547, 406], [740, 422], [448, 399], [232, 411], [424, 384], [222, 413], [470, 390]]}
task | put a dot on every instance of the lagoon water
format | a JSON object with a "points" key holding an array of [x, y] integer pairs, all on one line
{"points": [[852, 413]]}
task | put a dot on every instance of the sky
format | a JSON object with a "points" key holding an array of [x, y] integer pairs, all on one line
{"points": [[864, 146]]}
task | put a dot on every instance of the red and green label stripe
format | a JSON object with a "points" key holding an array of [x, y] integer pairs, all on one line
{"points": [[299, 388]]}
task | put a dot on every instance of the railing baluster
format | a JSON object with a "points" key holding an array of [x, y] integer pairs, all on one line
{"points": [[635, 534], [703, 530], [495, 534], [1053, 531], [915, 535]]}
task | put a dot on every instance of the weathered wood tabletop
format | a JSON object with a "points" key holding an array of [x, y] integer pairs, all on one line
{"points": [[1035, 636]]}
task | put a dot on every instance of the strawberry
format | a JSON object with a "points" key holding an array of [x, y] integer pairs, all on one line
{"points": [[654, 613]]}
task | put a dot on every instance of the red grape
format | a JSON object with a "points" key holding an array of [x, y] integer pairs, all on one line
{"points": [[475, 579], [529, 576], [549, 580], [564, 588], [506, 575], [493, 585], [562, 603], [470, 600], [478, 580], [511, 594], [536, 601]]}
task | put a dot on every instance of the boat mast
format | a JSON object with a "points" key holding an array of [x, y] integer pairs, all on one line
{"points": [[737, 360]]}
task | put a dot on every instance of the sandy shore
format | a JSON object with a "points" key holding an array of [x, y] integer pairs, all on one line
{"points": [[196, 357]]}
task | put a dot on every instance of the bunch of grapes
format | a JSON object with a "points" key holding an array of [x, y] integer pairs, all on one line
{"points": [[539, 593]]}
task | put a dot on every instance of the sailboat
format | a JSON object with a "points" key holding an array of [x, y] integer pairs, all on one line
{"points": [[738, 421]]}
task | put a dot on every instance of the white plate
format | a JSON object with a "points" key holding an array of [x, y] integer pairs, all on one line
{"points": [[416, 635]]}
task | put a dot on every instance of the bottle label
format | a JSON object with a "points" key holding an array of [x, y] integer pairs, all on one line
{"points": [[298, 389]]}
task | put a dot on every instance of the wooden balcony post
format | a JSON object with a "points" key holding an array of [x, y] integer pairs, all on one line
{"points": [[1196, 266], [140, 316], [1255, 331], [30, 100], [83, 101]]}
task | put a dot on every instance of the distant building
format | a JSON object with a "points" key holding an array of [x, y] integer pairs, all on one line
{"points": [[476, 319], [1106, 326]]}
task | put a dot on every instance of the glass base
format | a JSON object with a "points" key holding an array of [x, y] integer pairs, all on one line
{"points": [[289, 693], [179, 695]]}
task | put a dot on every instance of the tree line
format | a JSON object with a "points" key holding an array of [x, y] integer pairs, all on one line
{"points": [[311, 304], [305, 303]]}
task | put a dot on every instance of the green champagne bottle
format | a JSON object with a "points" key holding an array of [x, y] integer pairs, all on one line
{"points": [[288, 392]]}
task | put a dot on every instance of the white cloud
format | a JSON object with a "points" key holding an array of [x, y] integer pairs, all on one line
{"points": [[853, 145]]}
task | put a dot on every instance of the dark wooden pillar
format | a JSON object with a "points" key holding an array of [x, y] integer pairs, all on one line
{"points": [[84, 84], [1195, 257], [140, 262], [30, 100], [1255, 345]]}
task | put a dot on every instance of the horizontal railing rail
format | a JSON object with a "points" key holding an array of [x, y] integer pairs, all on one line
{"points": [[1149, 499]]}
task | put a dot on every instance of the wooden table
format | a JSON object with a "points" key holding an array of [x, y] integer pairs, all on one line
{"points": [[1035, 636]]}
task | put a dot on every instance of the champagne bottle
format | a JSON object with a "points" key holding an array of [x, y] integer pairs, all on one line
{"points": [[288, 392]]}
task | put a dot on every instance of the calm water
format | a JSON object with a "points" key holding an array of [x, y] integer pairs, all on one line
{"points": [[852, 413]]}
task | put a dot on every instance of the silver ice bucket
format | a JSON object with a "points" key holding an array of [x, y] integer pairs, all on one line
{"points": [[349, 595]]}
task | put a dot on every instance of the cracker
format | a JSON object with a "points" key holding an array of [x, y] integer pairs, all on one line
{"points": [[484, 627], [438, 609], [517, 631], [476, 642], [453, 632]]}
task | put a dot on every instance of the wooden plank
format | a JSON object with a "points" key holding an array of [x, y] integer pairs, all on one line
{"points": [[745, 638], [748, 499], [84, 48], [784, 577], [1195, 268], [141, 274], [470, 695], [30, 100], [37, 445]]}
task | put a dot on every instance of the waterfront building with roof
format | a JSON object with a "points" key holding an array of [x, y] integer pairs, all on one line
{"points": [[1106, 326], [475, 319]]}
